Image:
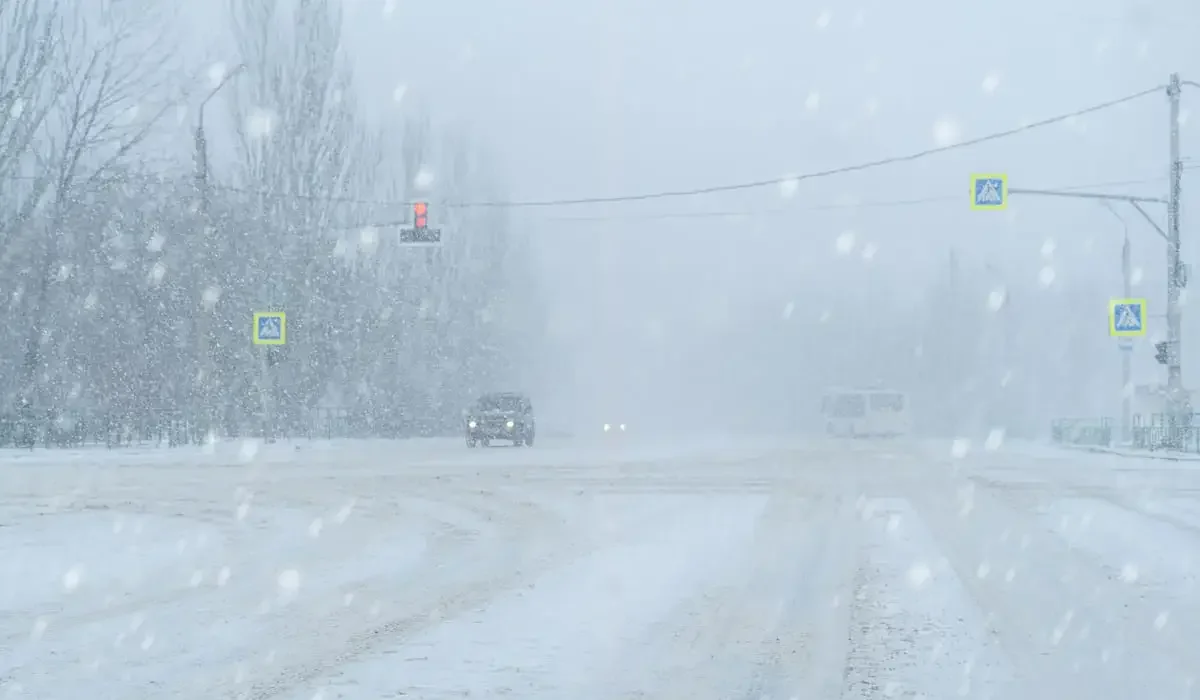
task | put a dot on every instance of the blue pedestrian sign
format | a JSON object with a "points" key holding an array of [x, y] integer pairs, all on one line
{"points": [[270, 328], [1127, 318], [989, 191]]}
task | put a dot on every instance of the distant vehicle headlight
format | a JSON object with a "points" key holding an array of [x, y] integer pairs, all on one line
{"points": [[471, 424], [607, 427], [510, 425], [622, 427]]}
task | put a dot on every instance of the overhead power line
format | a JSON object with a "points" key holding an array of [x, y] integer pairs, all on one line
{"points": [[778, 181], [858, 204], [790, 209], [717, 189]]}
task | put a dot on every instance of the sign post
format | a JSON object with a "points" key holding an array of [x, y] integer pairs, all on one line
{"points": [[269, 329]]}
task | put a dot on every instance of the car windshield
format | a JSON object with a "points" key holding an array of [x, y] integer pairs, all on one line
{"points": [[499, 402]]}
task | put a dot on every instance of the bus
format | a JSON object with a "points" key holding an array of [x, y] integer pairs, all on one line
{"points": [[866, 413]]}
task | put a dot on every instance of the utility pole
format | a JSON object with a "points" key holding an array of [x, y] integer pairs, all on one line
{"points": [[1179, 405], [1179, 410]]}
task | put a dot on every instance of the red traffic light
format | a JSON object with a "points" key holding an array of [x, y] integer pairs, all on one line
{"points": [[419, 211]]}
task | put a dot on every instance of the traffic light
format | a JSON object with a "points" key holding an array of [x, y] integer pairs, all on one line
{"points": [[1160, 353], [420, 234]]}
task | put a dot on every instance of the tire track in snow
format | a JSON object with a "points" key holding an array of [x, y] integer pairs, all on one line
{"points": [[429, 599], [239, 538], [916, 632], [509, 513], [777, 628], [814, 565], [1068, 623]]}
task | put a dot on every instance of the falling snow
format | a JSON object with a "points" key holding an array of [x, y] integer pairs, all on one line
{"points": [[881, 441], [946, 132]]}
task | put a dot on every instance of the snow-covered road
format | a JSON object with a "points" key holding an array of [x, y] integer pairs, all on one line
{"points": [[722, 571]]}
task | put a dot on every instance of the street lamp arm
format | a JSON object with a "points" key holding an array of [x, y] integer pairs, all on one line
{"points": [[1090, 195], [1151, 220], [213, 93]]}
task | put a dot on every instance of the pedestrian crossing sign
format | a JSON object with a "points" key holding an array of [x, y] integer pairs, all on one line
{"points": [[1127, 318], [270, 328], [989, 191]]}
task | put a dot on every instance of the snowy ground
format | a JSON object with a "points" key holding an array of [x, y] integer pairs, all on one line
{"points": [[726, 571]]}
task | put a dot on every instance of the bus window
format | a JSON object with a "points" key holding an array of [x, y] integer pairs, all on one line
{"points": [[848, 406], [887, 402]]}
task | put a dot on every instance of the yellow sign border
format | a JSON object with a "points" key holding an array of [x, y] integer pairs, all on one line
{"points": [[282, 328], [1003, 192], [1112, 318]]}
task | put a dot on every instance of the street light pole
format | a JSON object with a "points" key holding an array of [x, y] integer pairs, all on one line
{"points": [[207, 298], [1007, 355]]}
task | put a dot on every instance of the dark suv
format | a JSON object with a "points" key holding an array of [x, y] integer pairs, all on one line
{"points": [[500, 416]]}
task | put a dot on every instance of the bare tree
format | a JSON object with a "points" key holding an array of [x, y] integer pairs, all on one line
{"points": [[302, 148], [111, 76], [30, 46]]}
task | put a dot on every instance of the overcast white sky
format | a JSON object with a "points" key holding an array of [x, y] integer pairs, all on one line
{"points": [[599, 98]]}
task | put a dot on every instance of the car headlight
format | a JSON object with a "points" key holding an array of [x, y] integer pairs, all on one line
{"points": [[510, 425], [622, 427], [471, 424], [607, 427]]}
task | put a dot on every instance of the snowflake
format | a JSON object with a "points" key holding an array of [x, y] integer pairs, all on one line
{"points": [[423, 179], [946, 132], [260, 123]]}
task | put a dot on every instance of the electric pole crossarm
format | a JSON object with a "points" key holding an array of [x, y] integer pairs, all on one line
{"points": [[1152, 222]]}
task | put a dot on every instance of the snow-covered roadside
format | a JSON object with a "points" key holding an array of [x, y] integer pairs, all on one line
{"points": [[1053, 450]]}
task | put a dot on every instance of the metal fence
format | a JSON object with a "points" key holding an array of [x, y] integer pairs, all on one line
{"points": [[48, 428], [1094, 432], [1148, 432]]}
